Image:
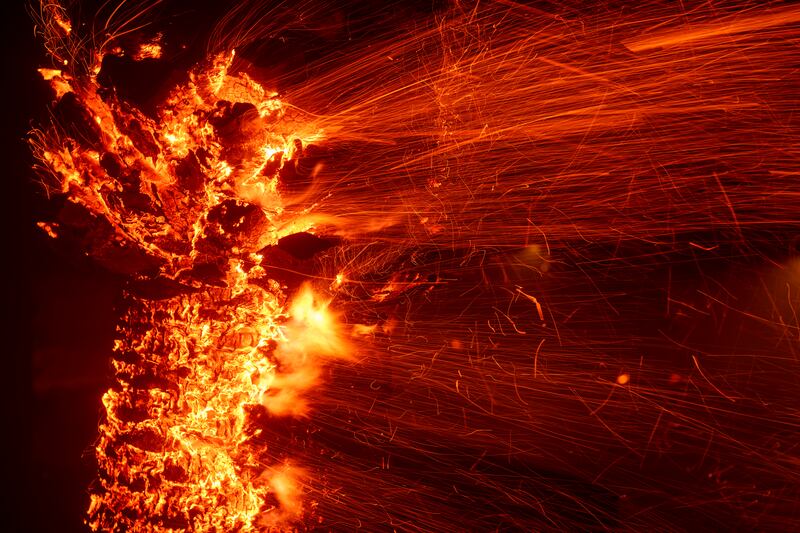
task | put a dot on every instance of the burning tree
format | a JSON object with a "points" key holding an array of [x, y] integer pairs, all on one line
{"points": [[406, 289]]}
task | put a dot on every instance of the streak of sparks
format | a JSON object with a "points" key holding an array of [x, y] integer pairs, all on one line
{"points": [[465, 165]]}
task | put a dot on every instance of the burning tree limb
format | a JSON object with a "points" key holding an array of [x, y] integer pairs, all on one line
{"points": [[183, 203]]}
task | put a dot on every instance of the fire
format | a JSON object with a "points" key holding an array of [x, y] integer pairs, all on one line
{"points": [[150, 50], [442, 282], [180, 453], [193, 195], [314, 328], [311, 335]]}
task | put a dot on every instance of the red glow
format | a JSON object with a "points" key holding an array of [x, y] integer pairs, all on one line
{"points": [[498, 265]]}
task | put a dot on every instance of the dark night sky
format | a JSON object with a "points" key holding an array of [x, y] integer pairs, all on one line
{"points": [[60, 325]]}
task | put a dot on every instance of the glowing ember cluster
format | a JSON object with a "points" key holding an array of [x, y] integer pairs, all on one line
{"points": [[210, 348], [174, 445]]}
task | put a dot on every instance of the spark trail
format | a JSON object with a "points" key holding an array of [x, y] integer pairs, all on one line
{"points": [[502, 265]]}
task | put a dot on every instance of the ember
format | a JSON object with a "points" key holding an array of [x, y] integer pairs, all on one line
{"points": [[190, 198], [472, 267]]}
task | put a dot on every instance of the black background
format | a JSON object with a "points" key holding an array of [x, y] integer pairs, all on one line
{"points": [[60, 319]]}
